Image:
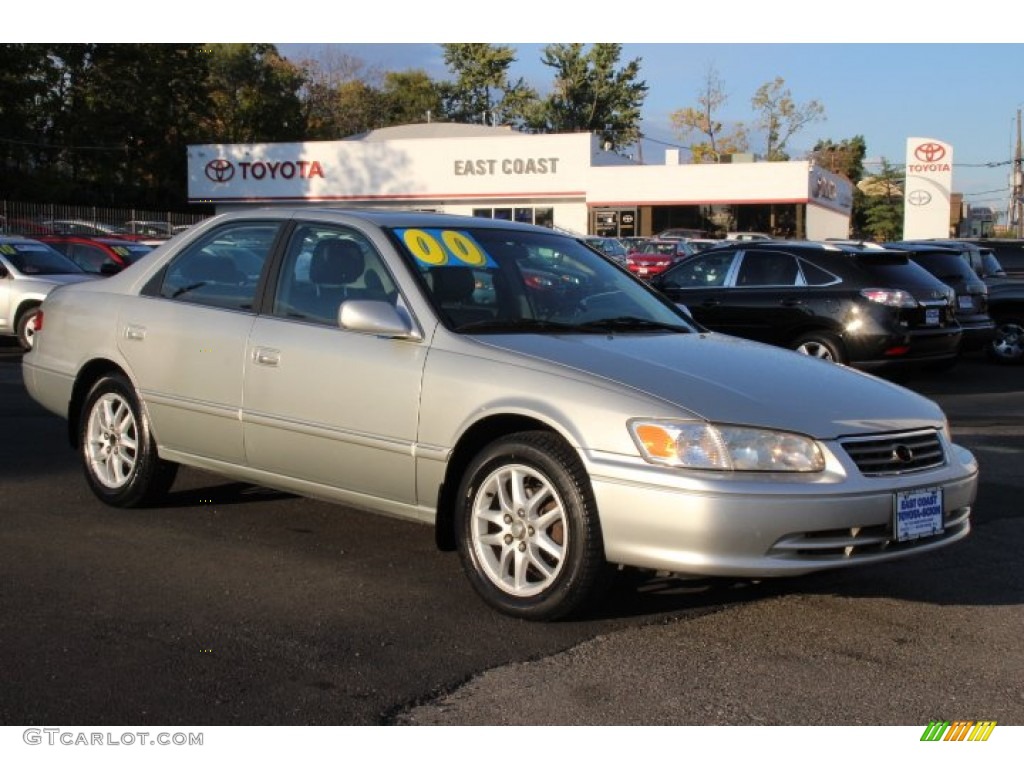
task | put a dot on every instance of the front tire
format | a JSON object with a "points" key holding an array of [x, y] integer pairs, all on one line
{"points": [[118, 452], [528, 531]]}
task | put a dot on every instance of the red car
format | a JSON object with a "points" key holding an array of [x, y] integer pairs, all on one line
{"points": [[655, 256], [97, 255]]}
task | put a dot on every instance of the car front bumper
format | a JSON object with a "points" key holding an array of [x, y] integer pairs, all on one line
{"points": [[771, 525]]}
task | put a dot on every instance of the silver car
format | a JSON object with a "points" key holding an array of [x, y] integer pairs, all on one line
{"points": [[29, 270], [549, 415]]}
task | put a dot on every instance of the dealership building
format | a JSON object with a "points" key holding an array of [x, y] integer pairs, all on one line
{"points": [[564, 180]]}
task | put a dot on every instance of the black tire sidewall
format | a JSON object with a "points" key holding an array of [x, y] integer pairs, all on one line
{"points": [[146, 480], [826, 340], [23, 321], [575, 584], [993, 354]]}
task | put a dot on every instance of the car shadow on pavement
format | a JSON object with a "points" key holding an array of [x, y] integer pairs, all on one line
{"points": [[220, 494]]}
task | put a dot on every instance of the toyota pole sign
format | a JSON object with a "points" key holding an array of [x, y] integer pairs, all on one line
{"points": [[928, 188]]}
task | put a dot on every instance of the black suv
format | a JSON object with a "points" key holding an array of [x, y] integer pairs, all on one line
{"points": [[950, 267], [861, 306]]}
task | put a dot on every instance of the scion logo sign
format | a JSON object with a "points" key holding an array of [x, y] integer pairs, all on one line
{"points": [[221, 171], [931, 155], [919, 197]]}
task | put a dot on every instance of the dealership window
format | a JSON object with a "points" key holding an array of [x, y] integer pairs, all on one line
{"points": [[542, 217]]}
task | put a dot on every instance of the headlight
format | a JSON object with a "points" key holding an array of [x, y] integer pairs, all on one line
{"points": [[698, 445]]}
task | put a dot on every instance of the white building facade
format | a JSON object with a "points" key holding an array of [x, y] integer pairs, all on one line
{"points": [[562, 180]]}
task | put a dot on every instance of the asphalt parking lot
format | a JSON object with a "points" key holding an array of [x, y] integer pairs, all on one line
{"points": [[235, 605]]}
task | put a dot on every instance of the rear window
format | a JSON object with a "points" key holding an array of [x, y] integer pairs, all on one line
{"points": [[945, 266], [908, 275]]}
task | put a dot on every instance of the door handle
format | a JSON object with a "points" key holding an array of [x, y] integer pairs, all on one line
{"points": [[265, 356], [791, 302], [135, 332], [711, 303]]}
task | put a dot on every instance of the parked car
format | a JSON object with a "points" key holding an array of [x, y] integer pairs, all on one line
{"points": [[89, 229], [864, 307], [679, 233], [29, 270], [655, 256], [633, 243], [1005, 300], [971, 292], [161, 230], [747, 236], [546, 443], [98, 255], [609, 246]]}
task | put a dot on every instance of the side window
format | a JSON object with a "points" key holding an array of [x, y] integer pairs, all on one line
{"points": [[764, 268], [223, 269], [325, 266], [815, 275], [708, 271]]}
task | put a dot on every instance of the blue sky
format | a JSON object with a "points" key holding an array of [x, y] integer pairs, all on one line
{"points": [[966, 94], [866, 63]]}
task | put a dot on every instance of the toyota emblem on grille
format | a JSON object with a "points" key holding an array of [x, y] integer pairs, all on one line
{"points": [[902, 454], [919, 197], [930, 152], [220, 170]]}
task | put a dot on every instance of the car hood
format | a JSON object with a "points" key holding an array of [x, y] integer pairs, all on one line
{"points": [[728, 380]]}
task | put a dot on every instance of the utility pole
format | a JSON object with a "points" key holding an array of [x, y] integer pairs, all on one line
{"points": [[1016, 218]]}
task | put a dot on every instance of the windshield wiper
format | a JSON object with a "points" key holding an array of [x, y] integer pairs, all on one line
{"points": [[514, 326], [628, 323]]}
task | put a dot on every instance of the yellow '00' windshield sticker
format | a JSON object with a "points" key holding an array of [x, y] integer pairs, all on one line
{"points": [[445, 248]]}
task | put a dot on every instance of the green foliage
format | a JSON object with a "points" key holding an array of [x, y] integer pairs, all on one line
{"points": [[482, 91], [699, 127], [883, 204], [780, 117], [591, 93]]}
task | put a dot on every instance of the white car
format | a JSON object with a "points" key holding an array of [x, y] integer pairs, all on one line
{"points": [[547, 414]]}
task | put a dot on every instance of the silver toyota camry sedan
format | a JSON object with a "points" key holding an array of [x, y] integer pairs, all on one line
{"points": [[547, 413]]}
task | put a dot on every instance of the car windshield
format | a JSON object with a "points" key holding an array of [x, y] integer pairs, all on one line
{"points": [[508, 281], [665, 249], [38, 259]]}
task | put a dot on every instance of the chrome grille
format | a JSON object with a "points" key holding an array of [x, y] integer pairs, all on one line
{"points": [[895, 454]]}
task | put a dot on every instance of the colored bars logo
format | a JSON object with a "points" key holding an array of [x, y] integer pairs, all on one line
{"points": [[959, 730]]}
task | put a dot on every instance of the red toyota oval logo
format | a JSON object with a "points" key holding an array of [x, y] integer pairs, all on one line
{"points": [[220, 170], [930, 152]]}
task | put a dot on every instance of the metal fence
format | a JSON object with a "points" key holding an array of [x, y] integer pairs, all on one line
{"points": [[46, 218]]}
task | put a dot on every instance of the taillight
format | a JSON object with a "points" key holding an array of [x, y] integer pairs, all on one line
{"points": [[890, 297]]}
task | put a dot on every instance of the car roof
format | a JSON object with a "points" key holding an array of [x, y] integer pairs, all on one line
{"points": [[383, 218]]}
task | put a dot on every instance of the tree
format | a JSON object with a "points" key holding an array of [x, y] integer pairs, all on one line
{"points": [[883, 204], [482, 90], [702, 121], [846, 158], [255, 94], [592, 93], [780, 117], [412, 97]]}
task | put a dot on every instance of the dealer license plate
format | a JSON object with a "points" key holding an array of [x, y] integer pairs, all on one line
{"points": [[917, 514], [931, 317], [966, 302], [642, 270]]}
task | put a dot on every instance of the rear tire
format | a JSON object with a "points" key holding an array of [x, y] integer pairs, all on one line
{"points": [[27, 328], [1007, 345], [823, 346], [118, 452]]}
